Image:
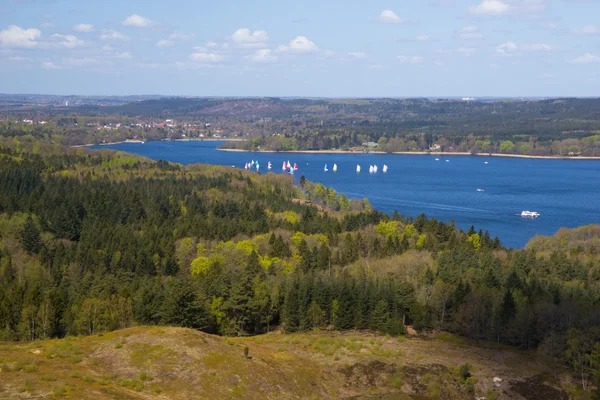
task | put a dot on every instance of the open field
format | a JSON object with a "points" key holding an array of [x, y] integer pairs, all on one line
{"points": [[178, 363]]}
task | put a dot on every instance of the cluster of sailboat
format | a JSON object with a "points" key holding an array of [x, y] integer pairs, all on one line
{"points": [[288, 167], [372, 168]]}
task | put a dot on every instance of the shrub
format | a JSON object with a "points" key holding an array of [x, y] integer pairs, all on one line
{"points": [[464, 372]]}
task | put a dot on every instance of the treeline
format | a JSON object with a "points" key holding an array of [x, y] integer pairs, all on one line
{"points": [[96, 241]]}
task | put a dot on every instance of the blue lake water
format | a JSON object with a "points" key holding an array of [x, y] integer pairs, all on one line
{"points": [[565, 192]]}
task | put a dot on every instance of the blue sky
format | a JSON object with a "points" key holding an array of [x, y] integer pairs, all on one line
{"points": [[330, 48]]}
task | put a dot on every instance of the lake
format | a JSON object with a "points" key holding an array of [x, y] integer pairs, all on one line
{"points": [[565, 192]]}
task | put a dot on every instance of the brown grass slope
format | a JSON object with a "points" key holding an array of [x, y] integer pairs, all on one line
{"points": [[177, 363]]}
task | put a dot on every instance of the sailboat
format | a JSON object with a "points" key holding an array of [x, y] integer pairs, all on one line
{"points": [[334, 167], [375, 169], [295, 166], [246, 166], [257, 166], [269, 166], [357, 168], [370, 169], [385, 168], [284, 166], [325, 169]]}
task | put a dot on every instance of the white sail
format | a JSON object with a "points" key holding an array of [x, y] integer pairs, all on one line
{"points": [[385, 168], [357, 168], [257, 166], [284, 165], [334, 167], [325, 169], [269, 166], [370, 169]]}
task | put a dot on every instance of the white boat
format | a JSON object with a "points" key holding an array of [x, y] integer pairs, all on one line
{"points": [[385, 168], [357, 168], [437, 159], [325, 169], [485, 162], [447, 160], [334, 167], [480, 190], [269, 166], [529, 214], [284, 166], [246, 166], [257, 166], [370, 169], [374, 169]]}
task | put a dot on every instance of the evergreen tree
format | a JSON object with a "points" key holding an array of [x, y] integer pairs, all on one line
{"points": [[30, 237]]}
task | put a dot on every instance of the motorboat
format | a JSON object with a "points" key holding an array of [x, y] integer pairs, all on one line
{"points": [[529, 214]]}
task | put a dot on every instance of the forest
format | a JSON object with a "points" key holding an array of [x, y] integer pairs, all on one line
{"points": [[94, 241]]}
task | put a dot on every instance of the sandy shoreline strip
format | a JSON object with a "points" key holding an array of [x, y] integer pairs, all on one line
{"points": [[141, 141], [418, 153]]}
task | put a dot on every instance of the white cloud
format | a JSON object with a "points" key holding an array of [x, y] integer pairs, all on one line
{"points": [[588, 30], [244, 37], [490, 7], [49, 65], [531, 6], [507, 48], [358, 55], [164, 43], [263, 56], [106, 35], [67, 41], [389, 17], [422, 38], [211, 45], [16, 36], [78, 62], [302, 44], [107, 48], [511, 48], [410, 59], [329, 53], [470, 33], [587, 58], [206, 57], [84, 28], [124, 56], [540, 47], [136, 21], [18, 58], [181, 36], [466, 51]]}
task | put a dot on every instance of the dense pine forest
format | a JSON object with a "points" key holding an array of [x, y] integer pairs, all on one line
{"points": [[94, 241]]}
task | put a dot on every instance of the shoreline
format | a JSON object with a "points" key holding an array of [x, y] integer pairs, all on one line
{"points": [[143, 141], [419, 153]]}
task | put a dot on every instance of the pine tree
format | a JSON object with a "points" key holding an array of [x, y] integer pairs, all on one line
{"points": [[380, 316], [290, 309], [30, 237]]}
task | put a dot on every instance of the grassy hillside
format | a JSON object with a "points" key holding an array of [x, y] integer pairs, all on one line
{"points": [[178, 363]]}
